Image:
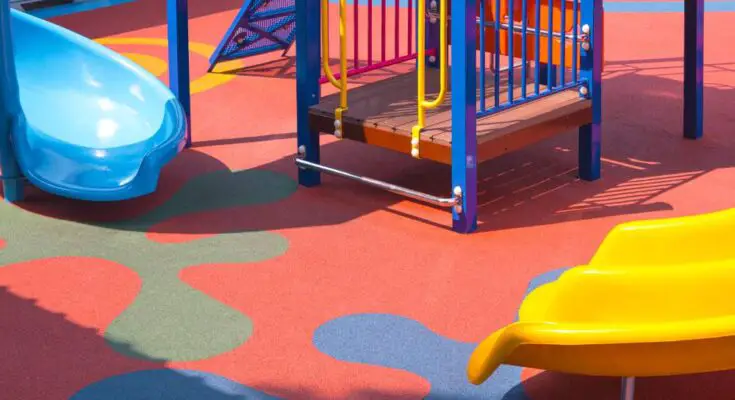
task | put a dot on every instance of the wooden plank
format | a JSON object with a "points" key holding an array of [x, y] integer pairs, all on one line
{"points": [[378, 136], [533, 114], [377, 103], [392, 104]]}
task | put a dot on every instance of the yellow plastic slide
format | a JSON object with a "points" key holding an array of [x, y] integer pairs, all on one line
{"points": [[658, 298]]}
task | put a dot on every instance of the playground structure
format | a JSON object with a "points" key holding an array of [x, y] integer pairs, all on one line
{"points": [[653, 301], [100, 128], [550, 83], [261, 26]]}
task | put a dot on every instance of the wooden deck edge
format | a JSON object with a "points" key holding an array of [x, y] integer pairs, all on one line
{"points": [[375, 136], [440, 151], [532, 134]]}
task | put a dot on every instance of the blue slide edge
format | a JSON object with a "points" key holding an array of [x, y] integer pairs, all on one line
{"points": [[152, 157]]}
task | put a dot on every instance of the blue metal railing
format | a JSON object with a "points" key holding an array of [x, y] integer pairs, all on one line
{"points": [[547, 78]]}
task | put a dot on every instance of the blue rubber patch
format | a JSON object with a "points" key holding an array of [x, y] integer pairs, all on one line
{"points": [[401, 343], [169, 384], [396, 342]]}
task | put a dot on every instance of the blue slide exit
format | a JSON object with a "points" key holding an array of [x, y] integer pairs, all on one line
{"points": [[94, 125]]}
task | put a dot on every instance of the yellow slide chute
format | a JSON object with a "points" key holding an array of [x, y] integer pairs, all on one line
{"points": [[655, 300]]}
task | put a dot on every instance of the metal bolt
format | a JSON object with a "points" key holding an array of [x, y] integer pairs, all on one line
{"points": [[583, 90], [302, 150], [432, 59], [585, 28]]}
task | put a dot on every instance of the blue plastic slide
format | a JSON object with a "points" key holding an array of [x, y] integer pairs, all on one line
{"points": [[94, 125]]}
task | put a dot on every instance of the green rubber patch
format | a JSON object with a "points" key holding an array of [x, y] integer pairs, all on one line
{"points": [[169, 320]]}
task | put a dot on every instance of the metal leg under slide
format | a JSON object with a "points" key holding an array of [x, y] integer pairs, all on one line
{"points": [[450, 202], [627, 388]]}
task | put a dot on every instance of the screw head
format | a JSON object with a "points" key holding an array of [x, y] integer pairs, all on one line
{"points": [[583, 90], [302, 149], [457, 191], [585, 28]]}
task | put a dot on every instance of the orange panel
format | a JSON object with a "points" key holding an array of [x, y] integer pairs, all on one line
{"points": [[490, 12]]}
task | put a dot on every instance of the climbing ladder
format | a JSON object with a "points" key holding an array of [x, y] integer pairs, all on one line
{"points": [[261, 26]]}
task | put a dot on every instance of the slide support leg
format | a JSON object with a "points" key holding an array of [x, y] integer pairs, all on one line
{"points": [[627, 388], [10, 111]]}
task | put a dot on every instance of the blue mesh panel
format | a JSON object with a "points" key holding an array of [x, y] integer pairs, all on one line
{"points": [[260, 27]]}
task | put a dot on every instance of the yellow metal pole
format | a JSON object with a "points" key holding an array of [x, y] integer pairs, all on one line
{"points": [[424, 105]]}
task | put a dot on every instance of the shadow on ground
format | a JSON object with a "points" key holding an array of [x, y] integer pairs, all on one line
{"points": [[554, 386], [47, 356], [644, 157]]}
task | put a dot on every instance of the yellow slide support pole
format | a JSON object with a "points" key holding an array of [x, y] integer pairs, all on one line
{"points": [[423, 104], [340, 84]]}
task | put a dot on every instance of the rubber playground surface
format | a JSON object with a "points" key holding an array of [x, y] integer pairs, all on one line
{"points": [[231, 282]]}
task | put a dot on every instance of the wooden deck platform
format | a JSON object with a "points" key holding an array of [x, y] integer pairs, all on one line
{"points": [[383, 113]]}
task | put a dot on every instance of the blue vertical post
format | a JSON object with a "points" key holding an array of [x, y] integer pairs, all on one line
{"points": [[524, 47], [308, 60], [563, 44], [432, 34], [464, 118], [177, 12], [590, 135], [547, 73], [483, 53], [496, 55], [548, 70], [537, 66], [575, 40], [693, 68], [9, 110], [511, 55]]}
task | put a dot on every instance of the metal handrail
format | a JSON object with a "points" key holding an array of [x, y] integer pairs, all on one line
{"points": [[423, 104], [342, 83]]}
